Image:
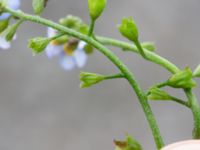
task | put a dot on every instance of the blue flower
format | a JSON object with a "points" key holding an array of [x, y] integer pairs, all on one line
{"points": [[69, 57], [13, 4], [3, 43]]}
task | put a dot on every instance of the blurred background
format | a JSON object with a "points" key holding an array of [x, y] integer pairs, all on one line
{"points": [[43, 108]]}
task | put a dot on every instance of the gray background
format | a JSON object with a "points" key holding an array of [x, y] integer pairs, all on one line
{"points": [[42, 107]]}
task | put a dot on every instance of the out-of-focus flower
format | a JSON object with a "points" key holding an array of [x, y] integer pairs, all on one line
{"points": [[3, 43], [71, 53], [13, 4], [4, 18]]}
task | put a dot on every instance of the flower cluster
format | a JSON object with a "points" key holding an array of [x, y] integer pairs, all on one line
{"points": [[63, 40], [71, 52], [4, 21]]}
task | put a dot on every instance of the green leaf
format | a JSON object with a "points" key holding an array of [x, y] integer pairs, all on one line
{"points": [[38, 6], [129, 29], [38, 44], [196, 72], [182, 79], [96, 8], [89, 79]]}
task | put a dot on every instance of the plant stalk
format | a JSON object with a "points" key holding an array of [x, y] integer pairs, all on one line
{"points": [[112, 57]]}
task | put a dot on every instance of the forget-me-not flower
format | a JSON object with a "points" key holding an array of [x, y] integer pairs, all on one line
{"points": [[69, 57], [13, 4]]}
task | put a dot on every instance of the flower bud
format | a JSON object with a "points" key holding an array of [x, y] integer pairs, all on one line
{"points": [[182, 79], [88, 49], [71, 21], [197, 72], [96, 7], [38, 44], [89, 79], [158, 94], [84, 29], [129, 29], [129, 144], [38, 6], [12, 29], [4, 24]]}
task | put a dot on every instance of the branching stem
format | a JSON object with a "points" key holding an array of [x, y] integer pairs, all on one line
{"points": [[112, 57]]}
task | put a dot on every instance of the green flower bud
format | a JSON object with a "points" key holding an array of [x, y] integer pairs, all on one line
{"points": [[12, 29], [88, 49], [182, 79], [72, 22], [129, 144], [197, 72], [129, 29], [38, 6], [89, 79], [3, 25], [149, 46], [38, 44], [96, 7], [158, 94], [84, 29]]}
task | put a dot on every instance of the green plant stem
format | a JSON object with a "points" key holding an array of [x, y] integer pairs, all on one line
{"points": [[196, 112], [115, 76], [141, 51], [153, 57], [56, 36], [112, 57], [194, 105], [160, 85], [91, 29], [184, 103]]}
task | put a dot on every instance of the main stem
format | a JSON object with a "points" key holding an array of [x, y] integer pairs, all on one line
{"points": [[194, 105], [196, 112], [112, 57]]}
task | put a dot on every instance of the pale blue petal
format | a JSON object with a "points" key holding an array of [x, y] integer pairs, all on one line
{"points": [[67, 62], [81, 45], [4, 16], [51, 32], [4, 44], [52, 50], [80, 58], [14, 4]]}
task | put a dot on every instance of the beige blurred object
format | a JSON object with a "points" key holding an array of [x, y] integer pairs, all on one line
{"points": [[184, 145]]}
